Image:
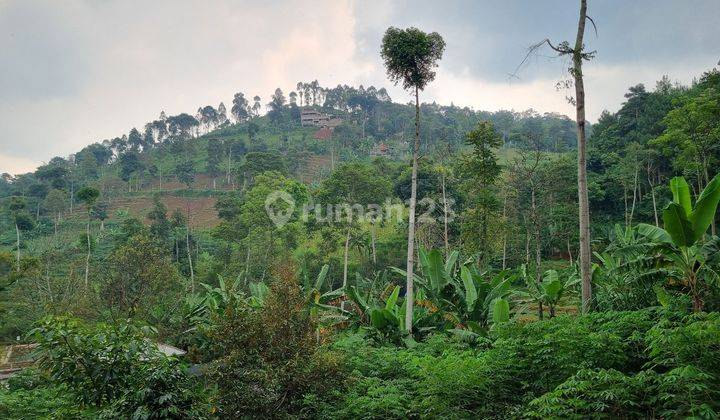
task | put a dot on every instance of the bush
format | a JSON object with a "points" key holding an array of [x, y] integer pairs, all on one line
{"points": [[40, 403], [681, 392], [691, 340], [115, 368], [271, 363], [598, 365]]}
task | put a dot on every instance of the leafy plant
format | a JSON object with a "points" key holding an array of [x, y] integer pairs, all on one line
{"points": [[548, 292], [681, 240], [466, 298], [114, 367]]}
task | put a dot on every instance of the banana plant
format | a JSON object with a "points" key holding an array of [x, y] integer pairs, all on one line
{"points": [[681, 240], [258, 293], [547, 292], [628, 271], [551, 290], [467, 298], [383, 316], [317, 299]]}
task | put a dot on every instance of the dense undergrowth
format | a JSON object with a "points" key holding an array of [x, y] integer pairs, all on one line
{"points": [[649, 363]]}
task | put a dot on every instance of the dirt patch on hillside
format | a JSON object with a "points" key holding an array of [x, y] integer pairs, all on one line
{"points": [[202, 209]]}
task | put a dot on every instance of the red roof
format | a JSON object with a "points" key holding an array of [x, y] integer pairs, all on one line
{"points": [[323, 134]]}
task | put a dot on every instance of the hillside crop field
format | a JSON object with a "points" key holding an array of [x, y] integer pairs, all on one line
{"points": [[332, 251]]}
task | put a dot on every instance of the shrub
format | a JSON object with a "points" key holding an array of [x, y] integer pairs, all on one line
{"points": [[271, 363], [567, 366], [681, 392], [114, 367], [691, 340]]}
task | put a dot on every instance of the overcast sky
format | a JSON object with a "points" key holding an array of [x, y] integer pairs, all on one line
{"points": [[75, 72]]}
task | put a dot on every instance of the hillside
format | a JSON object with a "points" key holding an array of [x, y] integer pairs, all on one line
{"points": [[331, 254]]}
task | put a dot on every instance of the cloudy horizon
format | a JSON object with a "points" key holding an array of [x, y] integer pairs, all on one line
{"points": [[77, 72]]}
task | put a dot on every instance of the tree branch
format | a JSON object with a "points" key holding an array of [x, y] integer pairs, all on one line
{"points": [[534, 48], [593, 24]]}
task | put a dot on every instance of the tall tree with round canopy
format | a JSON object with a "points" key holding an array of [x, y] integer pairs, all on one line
{"points": [[410, 56]]}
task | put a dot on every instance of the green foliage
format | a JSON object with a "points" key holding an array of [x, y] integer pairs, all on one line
{"points": [[116, 368], [88, 195], [464, 298], [595, 366], [410, 56], [40, 402], [139, 275], [270, 360]]}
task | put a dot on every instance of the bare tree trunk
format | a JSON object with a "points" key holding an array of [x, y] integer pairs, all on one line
{"points": [[527, 244], [332, 155], [538, 257], [409, 296], [227, 174], [445, 217], [372, 243], [635, 194], [652, 194], [504, 254], [17, 262], [345, 260], [247, 265], [87, 259], [189, 252], [189, 255], [584, 210], [625, 201]]}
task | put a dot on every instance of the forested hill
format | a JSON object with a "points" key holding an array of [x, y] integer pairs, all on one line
{"points": [[366, 118]]}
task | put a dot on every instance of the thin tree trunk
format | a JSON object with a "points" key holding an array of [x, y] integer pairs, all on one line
{"points": [[372, 243], [527, 245], [625, 201], [332, 155], [228, 169], [345, 260], [584, 210], [504, 254], [17, 233], [538, 257], [87, 259], [189, 255], [409, 296], [247, 265], [652, 194], [635, 194], [445, 217]]}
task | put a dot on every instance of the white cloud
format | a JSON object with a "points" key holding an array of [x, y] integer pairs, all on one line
{"points": [[122, 62]]}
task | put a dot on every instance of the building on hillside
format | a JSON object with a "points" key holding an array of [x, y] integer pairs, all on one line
{"points": [[380, 149], [312, 117], [309, 116]]}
